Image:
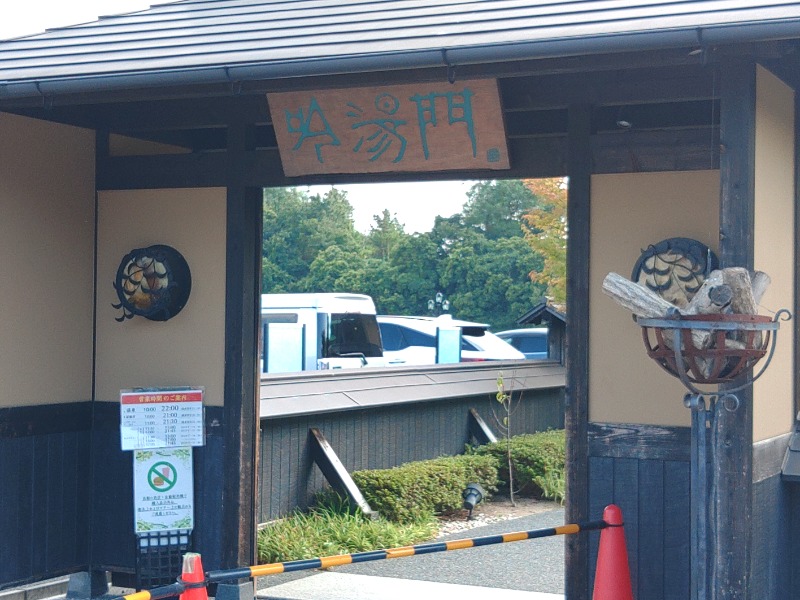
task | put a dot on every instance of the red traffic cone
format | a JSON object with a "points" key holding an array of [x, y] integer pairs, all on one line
{"points": [[612, 577], [193, 578]]}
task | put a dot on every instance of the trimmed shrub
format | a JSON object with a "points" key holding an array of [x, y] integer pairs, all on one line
{"points": [[410, 491], [538, 460]]}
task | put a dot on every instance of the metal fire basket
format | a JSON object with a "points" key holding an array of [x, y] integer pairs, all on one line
{"points": [[711, 349]]}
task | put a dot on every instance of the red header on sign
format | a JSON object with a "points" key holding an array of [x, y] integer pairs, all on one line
{"points": [[161, 397]]}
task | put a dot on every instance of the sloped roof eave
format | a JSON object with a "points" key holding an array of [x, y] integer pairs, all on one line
{"points": [[372, 62]]}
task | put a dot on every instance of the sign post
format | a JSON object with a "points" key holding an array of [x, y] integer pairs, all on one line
{"points": [[160, 426]]}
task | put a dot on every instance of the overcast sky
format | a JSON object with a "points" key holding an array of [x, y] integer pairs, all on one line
{"points": [[415, 205]]}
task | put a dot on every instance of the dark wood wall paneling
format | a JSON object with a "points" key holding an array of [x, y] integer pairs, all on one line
{"points": [[45, 491], [381, 438], [113, 538], [773, 548], [644, 470]]}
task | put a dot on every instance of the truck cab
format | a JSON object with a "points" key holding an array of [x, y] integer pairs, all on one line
{"points": [[319, 331]]}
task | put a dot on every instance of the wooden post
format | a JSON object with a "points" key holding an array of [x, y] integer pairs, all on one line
{"points": [[732, 437], [242, 312], [579, 170]]}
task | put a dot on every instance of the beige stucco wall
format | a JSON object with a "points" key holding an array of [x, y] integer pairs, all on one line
{"points": [[773, 395], [628, 213], [189, 348], [46, 262]]}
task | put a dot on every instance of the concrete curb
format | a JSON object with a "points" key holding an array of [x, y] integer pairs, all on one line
{"points": [[51, 588]]}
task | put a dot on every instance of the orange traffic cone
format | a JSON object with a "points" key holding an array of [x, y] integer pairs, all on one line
{"points": [[193, 578], [612, 578]]}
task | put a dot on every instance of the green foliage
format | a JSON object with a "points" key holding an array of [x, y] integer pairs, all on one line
{"points": [[407, 498], [494, 208], [335, 269], [538, 461], [419, 489], [487, 280], [385, 235], [334, 529], [478, 258], [298, 227]]}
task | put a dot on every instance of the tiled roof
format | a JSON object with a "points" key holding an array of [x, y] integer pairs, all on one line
{"points": [[217, 40]]}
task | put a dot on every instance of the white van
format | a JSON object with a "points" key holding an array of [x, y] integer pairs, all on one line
{"points": [[329, 331]]}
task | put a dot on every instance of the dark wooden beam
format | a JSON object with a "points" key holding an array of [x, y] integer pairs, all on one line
{"points": [[653, 151], [158, 115], [242, 382], [520, 94], [545, 156], [732, 434], [604, 88], [579, 170], [639, 441]]}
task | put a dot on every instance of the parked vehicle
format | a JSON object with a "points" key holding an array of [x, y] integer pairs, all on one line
{"points": [[412, 340], [532, 342], [332, 331]]}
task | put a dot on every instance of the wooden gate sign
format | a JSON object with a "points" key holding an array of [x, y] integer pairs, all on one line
{"points": [[412, 127]]}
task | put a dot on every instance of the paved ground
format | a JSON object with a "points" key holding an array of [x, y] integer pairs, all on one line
{"points": [[532, 569]]}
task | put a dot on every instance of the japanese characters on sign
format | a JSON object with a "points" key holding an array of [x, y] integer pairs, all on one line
{"points": [[161, 418], [415, 127]]}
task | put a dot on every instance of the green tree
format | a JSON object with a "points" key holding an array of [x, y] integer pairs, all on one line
{"points": [[298, 227], [495, 208], [335, 269], [414, 274], [488, 280], [384, 235]]}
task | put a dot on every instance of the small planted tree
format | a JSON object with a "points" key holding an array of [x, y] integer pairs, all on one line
{"points": [[503, 416]]}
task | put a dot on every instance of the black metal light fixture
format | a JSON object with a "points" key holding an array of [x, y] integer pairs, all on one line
{"points": [[473, 495], [438, 305], [152, 282]]}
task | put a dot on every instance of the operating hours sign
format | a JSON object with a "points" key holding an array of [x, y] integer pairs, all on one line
{"points": [[163, 489], [161, 418]]}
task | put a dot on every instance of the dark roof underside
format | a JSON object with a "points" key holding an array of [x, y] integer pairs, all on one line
{"points": [[203, 41]]}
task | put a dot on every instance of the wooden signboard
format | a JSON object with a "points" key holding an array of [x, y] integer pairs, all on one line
{"points": [[415, 127]]}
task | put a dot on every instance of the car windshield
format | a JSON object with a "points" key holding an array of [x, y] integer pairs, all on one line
{"points": [[531, 343], [353, 333], [397, 337]]}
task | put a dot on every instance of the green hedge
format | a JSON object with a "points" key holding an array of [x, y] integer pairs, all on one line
{"points": [[538, 460], [427, 487]]}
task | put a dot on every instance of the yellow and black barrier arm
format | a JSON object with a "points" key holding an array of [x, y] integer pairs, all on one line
{"points": [[180, 586], [347, 559]]}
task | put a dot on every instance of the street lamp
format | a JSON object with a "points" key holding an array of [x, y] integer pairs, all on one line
{"points": [[438, 305]]}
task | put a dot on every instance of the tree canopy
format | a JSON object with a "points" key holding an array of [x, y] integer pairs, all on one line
{"points": [[487, 260]]}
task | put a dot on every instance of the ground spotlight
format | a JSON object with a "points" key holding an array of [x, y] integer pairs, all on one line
{"points": [[473, 494]]}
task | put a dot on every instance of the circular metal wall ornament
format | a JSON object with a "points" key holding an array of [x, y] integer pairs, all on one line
{"points": [[675, 268], [152, 282]]}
